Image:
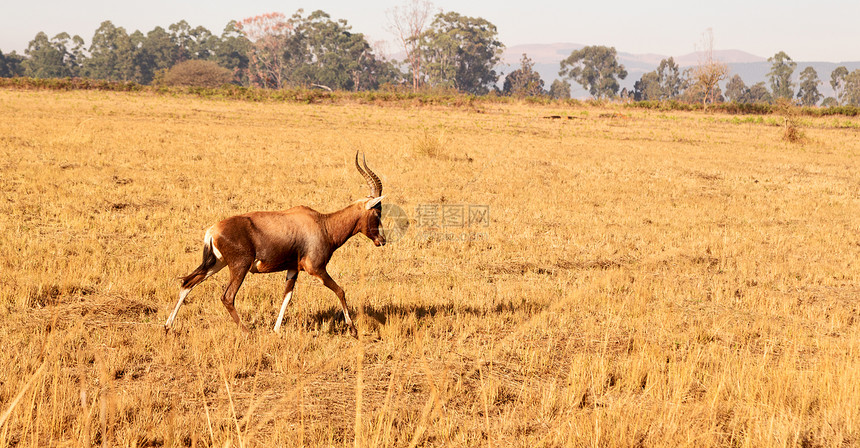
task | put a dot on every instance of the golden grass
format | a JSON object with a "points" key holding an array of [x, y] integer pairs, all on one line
{"points": [[647, 278]]}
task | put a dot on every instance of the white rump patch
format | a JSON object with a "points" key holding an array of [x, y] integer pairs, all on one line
{"points": [[210, 239]]}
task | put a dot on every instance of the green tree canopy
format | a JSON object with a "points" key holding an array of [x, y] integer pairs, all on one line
{"points": [[461, 52], [11, 65], [596, 69], [153, 52], [780, 75], [336, 57], [117, 55], [664, 83], [55, 58], [736, 90], [837, 80], [851, 92], [829, 102], [112, 54], [758, 93], [559, 89], [524, 81], [808, 93], [647, 88], [232, 50]]}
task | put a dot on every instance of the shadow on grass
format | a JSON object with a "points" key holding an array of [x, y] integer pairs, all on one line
{"points": [[381, 314]]}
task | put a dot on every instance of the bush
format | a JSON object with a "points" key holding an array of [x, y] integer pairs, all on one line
{"points": [[197, 73]]}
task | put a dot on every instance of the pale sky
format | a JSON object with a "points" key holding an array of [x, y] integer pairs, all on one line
{"points": [[826, 30]]}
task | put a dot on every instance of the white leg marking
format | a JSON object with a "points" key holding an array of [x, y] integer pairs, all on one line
{"points": [[346, 317], [182, 295], [283, 310]]}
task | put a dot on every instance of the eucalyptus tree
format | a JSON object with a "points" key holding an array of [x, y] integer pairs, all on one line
{"points": [[58, 57], [780, 75], [808, 93], [596, 69], [461, 52]]}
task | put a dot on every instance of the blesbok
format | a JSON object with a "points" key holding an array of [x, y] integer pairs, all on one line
{"points": [[293, 240]]}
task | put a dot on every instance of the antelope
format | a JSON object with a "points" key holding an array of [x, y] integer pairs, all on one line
{"points": [[293, 240]]}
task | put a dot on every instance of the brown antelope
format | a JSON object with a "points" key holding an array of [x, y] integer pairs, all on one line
{"points": [[294, 240]]}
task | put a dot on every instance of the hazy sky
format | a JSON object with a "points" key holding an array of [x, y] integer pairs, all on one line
{"points": [[826, 30]]}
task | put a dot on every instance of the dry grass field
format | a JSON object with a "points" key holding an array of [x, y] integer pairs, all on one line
{"points": [[646, 278]]}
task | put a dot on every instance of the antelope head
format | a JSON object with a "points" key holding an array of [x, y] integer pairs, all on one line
{"points": [[370, 223]]}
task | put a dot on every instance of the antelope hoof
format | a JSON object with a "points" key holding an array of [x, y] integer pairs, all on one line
{"points": [[353, 331]]}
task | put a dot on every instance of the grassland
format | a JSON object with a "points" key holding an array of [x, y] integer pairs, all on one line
{"points": [[646, 278]]}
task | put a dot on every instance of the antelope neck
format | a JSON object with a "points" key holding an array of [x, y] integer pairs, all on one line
{"points": [[343, 224]]}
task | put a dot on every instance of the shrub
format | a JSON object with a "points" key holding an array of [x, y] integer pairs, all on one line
{"points": [[197, 73]]}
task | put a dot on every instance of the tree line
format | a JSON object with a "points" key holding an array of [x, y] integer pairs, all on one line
{"points": [[596, 69], [268, 51], [451, 51]]}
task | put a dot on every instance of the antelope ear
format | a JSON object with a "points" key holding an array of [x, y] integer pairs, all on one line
{"points": [[372, 202]]}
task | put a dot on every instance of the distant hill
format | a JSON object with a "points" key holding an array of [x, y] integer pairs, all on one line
{"points": [[751, 68]]}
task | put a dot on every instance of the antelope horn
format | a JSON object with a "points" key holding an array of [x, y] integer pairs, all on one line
{"points": [[366, 177], [377, 184]]}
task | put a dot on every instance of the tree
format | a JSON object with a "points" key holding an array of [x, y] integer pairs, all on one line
{"points": [[460, 52], [780, 75], [851, 93], [155, 52], [408, 24], [54, 58], [647, 88], [559, 89], [273, 53], [837, 81], [524, 81], [670, 79], [335, 57], [708, 73], [112, 54], [232, 50], [191, 43], [11, 65], [829, 102], [664, 83], [697, 91], [808, 93], [736, 90], [595, 68], [758, 93]]}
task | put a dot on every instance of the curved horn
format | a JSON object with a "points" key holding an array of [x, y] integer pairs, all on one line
{"points": [[367, 178], [377, 184]]}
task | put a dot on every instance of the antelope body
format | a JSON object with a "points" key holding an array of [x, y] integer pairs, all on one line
{"points": [[293, 240]]}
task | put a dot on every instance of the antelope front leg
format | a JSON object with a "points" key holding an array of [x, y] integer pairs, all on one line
{"points": [[288, 293], [332, 285]]}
